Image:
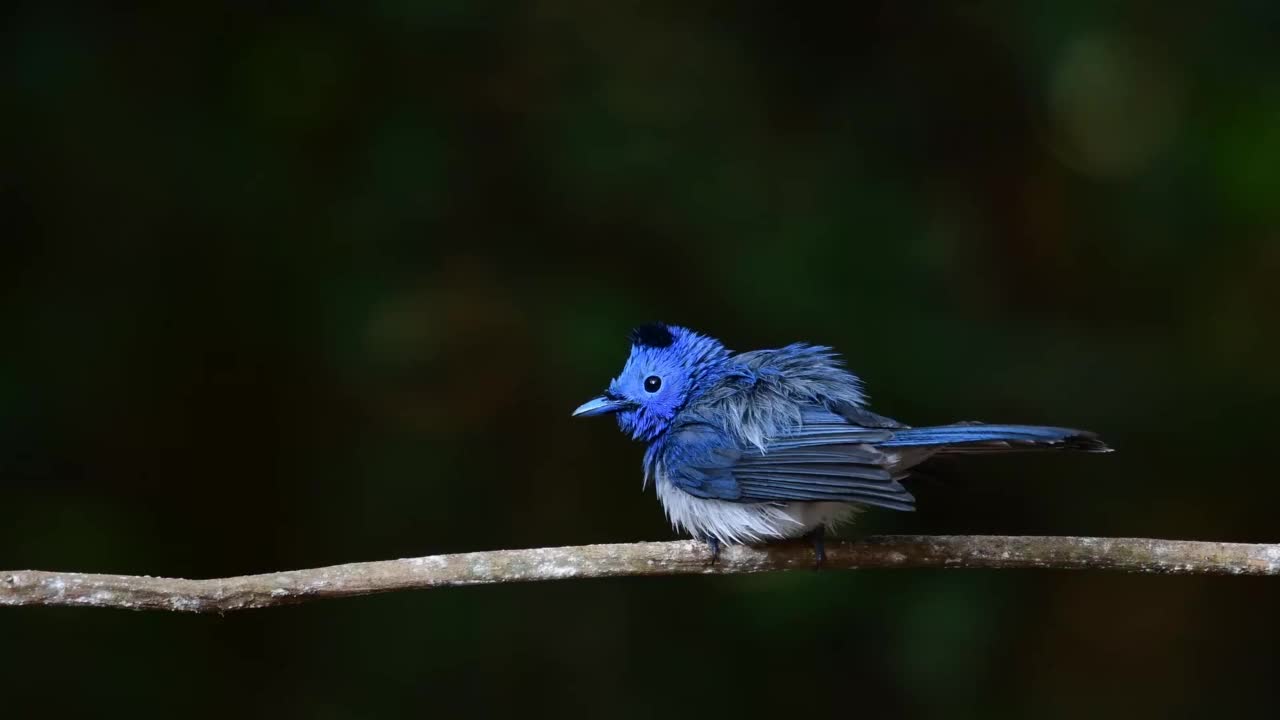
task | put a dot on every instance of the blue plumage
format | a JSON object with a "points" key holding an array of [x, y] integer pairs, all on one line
{"points": [[769, 444]]}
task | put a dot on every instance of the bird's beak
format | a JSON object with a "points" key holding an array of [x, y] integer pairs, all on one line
{"points": [[600, 406]]}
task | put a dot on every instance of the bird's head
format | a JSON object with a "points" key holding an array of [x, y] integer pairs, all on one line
{"points": [[667, 366]]}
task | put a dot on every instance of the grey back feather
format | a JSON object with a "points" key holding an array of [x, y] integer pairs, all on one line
{"points": [[767, 395]]}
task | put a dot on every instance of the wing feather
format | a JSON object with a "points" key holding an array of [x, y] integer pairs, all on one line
{"points": [[824, 459]]}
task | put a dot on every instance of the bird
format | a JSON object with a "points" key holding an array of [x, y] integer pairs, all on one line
{"points": [[768, 445]]}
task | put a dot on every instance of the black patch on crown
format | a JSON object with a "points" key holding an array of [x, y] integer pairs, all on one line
{"points": [[654, 335]]}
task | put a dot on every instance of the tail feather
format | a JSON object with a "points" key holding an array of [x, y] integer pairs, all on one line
{"points": [[978, 437]]}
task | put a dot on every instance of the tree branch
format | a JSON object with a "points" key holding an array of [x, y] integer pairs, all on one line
{"points": [[222, 595]]}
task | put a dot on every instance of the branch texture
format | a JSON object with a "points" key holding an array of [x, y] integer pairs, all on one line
{"points": [[222, 595]]}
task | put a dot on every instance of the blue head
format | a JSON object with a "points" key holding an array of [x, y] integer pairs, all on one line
{"points": [[667, 367]]}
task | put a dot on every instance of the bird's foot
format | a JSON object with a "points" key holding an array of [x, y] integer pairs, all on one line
{"points": [[818, 537], [713, 544]]}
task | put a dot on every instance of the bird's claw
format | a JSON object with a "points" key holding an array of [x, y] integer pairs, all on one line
{"points": [[713, 544], [818, 538]]}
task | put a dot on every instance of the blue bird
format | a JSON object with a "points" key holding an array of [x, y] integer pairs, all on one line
{"points": [[772, 444]]}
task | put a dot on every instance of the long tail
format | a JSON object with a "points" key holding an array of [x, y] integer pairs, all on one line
{"points": [[980, 438]]}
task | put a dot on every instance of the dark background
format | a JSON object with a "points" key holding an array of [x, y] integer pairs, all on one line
{"points": [[294, 289]]}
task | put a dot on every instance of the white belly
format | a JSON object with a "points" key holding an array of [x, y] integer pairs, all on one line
{"points": [[744, 523]]}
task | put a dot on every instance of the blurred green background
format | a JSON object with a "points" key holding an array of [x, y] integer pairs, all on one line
{"points": [[292, 288]]}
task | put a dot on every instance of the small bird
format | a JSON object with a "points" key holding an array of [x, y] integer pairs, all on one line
{"points": [[772, 444]]}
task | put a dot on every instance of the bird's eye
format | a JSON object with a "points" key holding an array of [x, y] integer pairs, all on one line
{"points": [[652, 383]]}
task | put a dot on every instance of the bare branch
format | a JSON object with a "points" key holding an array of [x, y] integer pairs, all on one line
{"points": [[222, 595]]}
